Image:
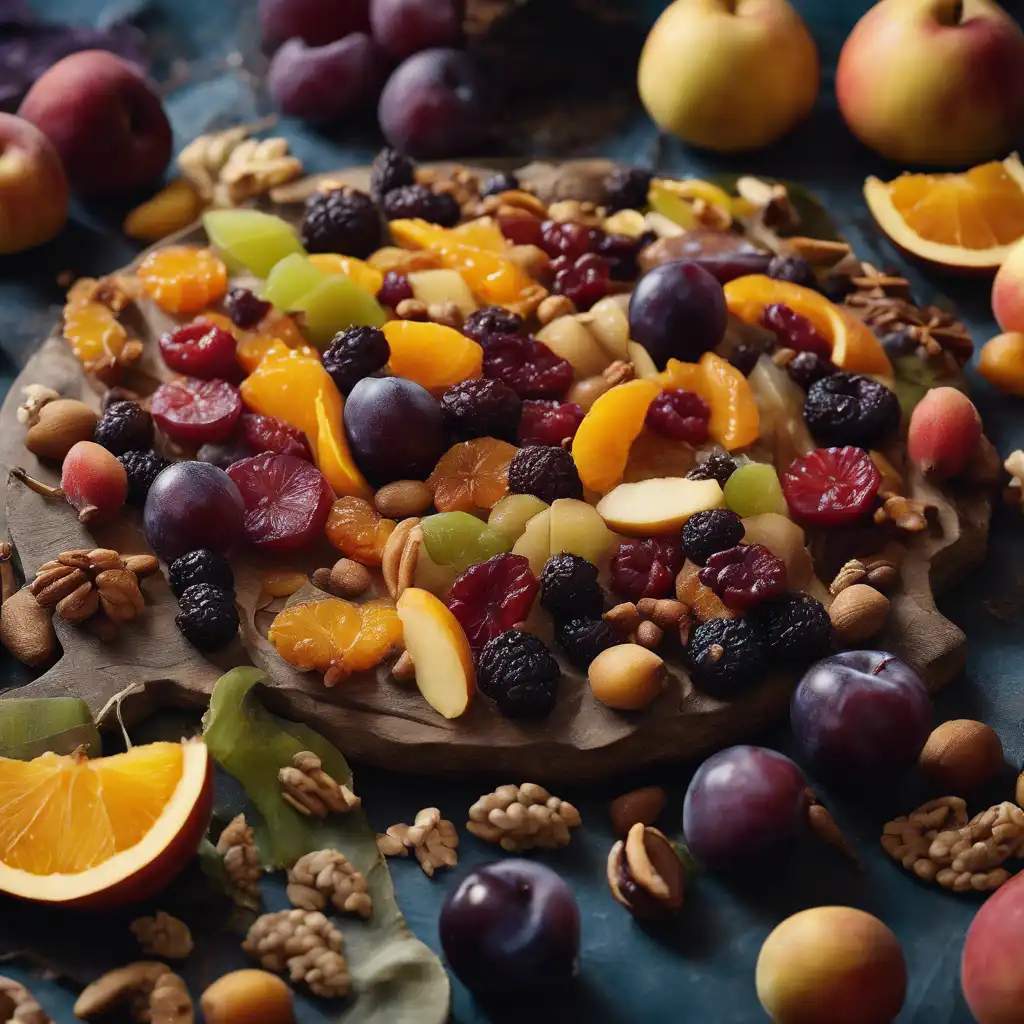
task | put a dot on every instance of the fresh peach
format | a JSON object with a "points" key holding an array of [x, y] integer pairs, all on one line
{"points": [[1001, 362], [33, 186], [945, 429], [990, 973], [1008, 291], [831, 965], [105, 119], [934, 81]]}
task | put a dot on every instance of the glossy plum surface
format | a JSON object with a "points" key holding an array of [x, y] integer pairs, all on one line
{"points": [[510, 927], [742, 803], [861, 715]]}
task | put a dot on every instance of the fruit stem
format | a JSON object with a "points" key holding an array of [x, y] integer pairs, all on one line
{"points": [[88, 513], [36, 485], [950, 12]]}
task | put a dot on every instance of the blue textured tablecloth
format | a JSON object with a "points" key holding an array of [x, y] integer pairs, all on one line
{"points": [[701, 967]]}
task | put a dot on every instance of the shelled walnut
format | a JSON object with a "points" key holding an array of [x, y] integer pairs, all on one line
{"points": [[306, 945], [432, 838], [150, 991], [328, 874], [523, 817], [237, 845], [311, 791], [18, 1005], [163, 935]]}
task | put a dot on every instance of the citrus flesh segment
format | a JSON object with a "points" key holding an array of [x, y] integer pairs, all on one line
{"points": [[854, 347], [432, 355], [74, 830], [968, 220]]}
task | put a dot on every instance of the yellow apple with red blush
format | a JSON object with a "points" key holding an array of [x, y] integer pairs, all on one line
{"points": [[33, 186]]}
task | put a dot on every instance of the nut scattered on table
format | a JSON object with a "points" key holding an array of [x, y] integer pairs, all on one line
{"points": [[237, 846], [18, 1005], [858, 612], [645, 874], [432, 838], [150, 991], [639, 805], [961, 755], [311, 791], [306, 945], [523, 817], [163, 935], [328, 875]]}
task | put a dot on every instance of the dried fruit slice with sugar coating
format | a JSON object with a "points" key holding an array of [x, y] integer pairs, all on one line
{"points": [[601, 446], [472, 475], [358, 531], [183, 278], [432, 355], [92, 328], [315, 634], [831, 486], [493, 597]]}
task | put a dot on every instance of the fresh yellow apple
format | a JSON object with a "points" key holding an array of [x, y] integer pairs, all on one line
{"points": [[784, 539], [570, 339], [729, 75], [608, 321], [934, 81], [657, 507], [436, 287], [510, 516], [577, 528], [643, 364], [535, 542], [439, 650]]}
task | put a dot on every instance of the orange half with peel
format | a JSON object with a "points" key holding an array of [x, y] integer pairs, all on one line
{"points": [[966, 222], [104, 832], [854, 346]]}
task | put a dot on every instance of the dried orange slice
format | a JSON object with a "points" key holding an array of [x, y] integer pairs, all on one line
{"points": [[601, 446], [183, 278], [472, 475], [967, 221], [380, 631], [104, 832], [854, 347], [358, 530], [432, 355]]}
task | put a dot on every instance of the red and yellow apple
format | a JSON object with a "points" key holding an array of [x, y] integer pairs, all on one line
{"points": [[33, 186], [729, 75], [934, 81], [105, 119], [990, 971], [1008, 290]]}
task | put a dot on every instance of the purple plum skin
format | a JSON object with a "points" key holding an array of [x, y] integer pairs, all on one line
{"points": [[861, 716]]}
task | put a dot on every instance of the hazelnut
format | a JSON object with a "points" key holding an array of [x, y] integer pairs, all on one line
{"points": [[645, 874], [858, 612], [639, 805], [348, 578], [61, 424], [961, 755], [627, 677], [403, 498]]}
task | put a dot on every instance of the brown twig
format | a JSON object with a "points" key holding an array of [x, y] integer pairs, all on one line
{"points": [[8, 583], [36, 485]]}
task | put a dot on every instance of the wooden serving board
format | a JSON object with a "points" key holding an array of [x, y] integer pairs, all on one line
{"points": [[372, 718]]}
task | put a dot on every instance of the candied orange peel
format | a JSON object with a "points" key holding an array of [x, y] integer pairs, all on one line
{"points": [[98, 340], [183, 278]]}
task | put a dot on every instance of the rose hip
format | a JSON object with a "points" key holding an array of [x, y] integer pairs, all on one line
{"points": [[93, 481], [199, 349]]}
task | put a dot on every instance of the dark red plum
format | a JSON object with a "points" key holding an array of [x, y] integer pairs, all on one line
{"points": [[404, 27], [315, 22], [860, 716], [192, 505], [511, 927], [677, 311], [434, 105], [395, 429], [742, 803]]}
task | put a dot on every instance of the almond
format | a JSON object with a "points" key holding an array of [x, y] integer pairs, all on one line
{"points": [[858, 612], [639, 805], [61, 425], [403, 499], [26, 629]]}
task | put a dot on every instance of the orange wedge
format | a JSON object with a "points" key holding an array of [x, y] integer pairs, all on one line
{"points": [[106, 832], [966, 222], [854, 347], [358, 271]]}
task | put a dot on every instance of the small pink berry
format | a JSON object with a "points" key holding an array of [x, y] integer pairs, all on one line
{"points": [[93, 481], [945, 429]]}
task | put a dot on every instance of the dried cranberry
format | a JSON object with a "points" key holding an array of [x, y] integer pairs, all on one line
{"points": [[527, 366], [245, 308], [621, 252], [744, 575], [680, 415], [394, 289], [565, 239], [199, 349], [492, 321], [645, 568], [522, 228], [269, 434], [196, 411], [549, 423], [490, 598], [831, 486], [794, 330], [586, 281]]}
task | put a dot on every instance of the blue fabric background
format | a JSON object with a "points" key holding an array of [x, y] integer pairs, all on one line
{"points": [[699, 969]]}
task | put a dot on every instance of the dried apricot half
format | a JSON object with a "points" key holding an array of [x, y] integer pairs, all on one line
{"points": [[358, 530]]}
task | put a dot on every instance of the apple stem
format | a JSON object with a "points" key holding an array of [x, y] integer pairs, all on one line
{"points": [[951, 13]]}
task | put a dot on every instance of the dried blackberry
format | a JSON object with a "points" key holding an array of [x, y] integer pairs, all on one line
{"points": [[794, 269], [491, 320], [627, 188], [569, 587], [201, 566], [545, 471], [717, 466], [849, 409], [343, 221], [412, 201], [142, 469], [245, 308], [498, 183], [519, 674], [796, 628], [482, 408], [208, 618], [390, 170], [706, 533], [807, 368], [583, 639], [726, 656], [355, 353], [124, 427]]}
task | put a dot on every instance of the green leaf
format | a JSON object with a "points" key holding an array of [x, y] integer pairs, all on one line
{"points": [[395, 977], [30, 727], [815, 220]]}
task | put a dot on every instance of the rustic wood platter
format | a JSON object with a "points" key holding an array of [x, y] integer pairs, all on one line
{"points": [[372, 718]]}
